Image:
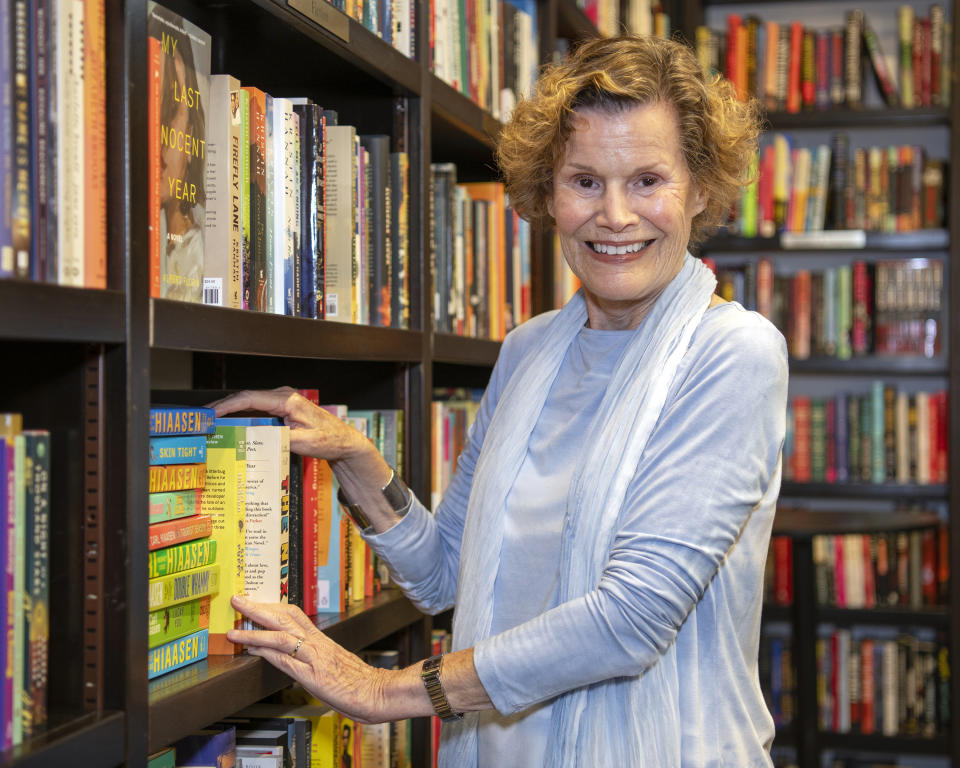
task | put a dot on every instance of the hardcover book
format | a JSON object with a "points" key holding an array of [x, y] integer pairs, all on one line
{"points": [[175, 621], [174, 420], [181, 557], [177, 653], [180, 94], [173, 505], [183, 586], [176, 477], [171, 532], [178, 450]]}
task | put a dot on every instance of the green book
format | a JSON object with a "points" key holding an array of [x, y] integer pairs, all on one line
{"points": [[165, 758], [176, 621], [180, 587], [180, 557]]}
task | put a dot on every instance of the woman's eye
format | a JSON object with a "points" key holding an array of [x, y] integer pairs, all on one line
{"points": [[585, 182], [648, 181]]}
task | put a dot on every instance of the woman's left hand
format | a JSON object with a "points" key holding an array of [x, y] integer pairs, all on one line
{"points": [[292, 643]]}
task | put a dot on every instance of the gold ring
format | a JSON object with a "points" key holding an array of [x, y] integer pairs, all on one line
{"points": [[299, 643]]}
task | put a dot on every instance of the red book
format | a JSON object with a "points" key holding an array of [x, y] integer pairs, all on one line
{"points": [[924, 61], [943, 447], [928, 566], [860, 329], [734, 25], [793, 66], [171, 532], [943, 565], [831, 441], [839, 588], [869, 578], [782, 570], [765, 288], [868, 717], [311, 520]]}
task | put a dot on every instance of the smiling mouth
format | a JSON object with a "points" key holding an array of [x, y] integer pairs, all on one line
{"points": [[613, 249]]}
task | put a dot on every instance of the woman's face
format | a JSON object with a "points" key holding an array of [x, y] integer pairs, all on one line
{"points": [[623, 201]]}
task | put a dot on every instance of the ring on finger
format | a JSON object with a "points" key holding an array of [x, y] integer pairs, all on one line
{"points": [[299, 643]]}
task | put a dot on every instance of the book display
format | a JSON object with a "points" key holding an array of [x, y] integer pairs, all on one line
{"points": [[297, 192], [843, 242]]}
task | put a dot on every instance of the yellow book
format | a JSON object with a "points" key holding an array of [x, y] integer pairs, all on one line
{"points": [[224, 497], [183, 586]]}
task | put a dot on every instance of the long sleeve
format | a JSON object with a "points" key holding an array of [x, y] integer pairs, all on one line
{"points": [[692, 535]]}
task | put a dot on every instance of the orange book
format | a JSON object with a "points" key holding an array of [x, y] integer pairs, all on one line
{"points": [[793, 66], [95, 145], [154, 57]]}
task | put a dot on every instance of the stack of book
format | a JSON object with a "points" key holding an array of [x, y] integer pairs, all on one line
{"points": [[183, 566], [272, 205], [25, 574]]}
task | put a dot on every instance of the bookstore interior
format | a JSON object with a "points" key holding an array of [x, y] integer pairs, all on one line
{"points": [[200, 198]]}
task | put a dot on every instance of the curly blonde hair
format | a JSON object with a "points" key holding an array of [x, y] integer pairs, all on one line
{"points": [[718, 132]]}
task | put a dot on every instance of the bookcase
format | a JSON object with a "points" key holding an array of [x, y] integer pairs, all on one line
{"points": [[855, 507], [86, 364]]}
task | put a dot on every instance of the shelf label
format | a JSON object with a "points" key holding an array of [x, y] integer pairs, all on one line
{"points": [[324, 14]]}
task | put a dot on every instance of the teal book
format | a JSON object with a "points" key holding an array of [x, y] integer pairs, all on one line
{"points": [[177, 653], [186, 449]]}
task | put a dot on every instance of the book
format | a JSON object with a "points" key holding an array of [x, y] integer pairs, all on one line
{"points": [[181, 557], [173, 505], [185, 585], [208, 747], [224, 500], [175, 621], [176, 477], [378, 146], [171, 532], [165, 758], [311, 206], [888, 88], [223, 235], [95, 144], [338, 222], [175, 420], [178, 199], [178, 450], [258, 197], [177, 653]]}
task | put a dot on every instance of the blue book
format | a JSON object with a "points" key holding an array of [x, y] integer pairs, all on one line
{"points": [[181, 420], [207, 747], [249, 421], [177, 653], [180, 449]]}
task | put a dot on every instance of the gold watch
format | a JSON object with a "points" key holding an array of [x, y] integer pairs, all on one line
{"points": [[430, 674]]}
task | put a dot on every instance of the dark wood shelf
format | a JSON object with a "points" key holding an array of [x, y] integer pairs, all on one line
{"points": [[92, 740], [776, 612], [902, 745], [43, 312], [199, 328], [861, 118], [872, 366], [863, 491], [449, 348], [932, 616], [921, 240], [806, 522], [458, 113], [218, 686]]}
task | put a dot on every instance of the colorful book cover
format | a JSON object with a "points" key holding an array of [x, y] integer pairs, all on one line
{"points": [[178, 450], [20, 210], [258, 197], [36, 601], [180, 587], [177, 653], [209, 747], [171, 532], [184, 80], [330, 531], [175, 621], [165, 758], [310, 520], [266, 525], [16, 649], [176, 477], [181, 557], [176, 420], [6, 584], [246, 258]]}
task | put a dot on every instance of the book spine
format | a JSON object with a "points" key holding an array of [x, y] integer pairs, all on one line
{"points": [[177, 653], [7, 260], [36, 603], [181, 557], [310, 511], [246, 257], [171, 623], [17, 652], [95, 144], [176, 477], [852, 69], [173, 505], [71, 189], [905, 29], [178, 450], [171, 532], [180, 587], [258, 198], [20, 203], [181, 421]]}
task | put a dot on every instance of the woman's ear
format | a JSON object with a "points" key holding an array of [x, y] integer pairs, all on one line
{"points": [[698, 200]]}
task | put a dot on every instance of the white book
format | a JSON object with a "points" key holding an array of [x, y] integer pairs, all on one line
{"points": [[291, 195], [68, 68], [267, 529], [274, 155], [222, 266], [889, 724], [338, 230]]}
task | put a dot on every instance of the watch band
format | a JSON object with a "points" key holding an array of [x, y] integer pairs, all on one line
{"points": [[396, 493], [430, 674]]}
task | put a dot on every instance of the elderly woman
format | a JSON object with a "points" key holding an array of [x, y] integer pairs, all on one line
{"points": [[604, 537]]}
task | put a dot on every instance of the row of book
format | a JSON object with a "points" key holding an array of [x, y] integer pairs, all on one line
{"points": [[890, 308], [565, 283], [884, 435], [233, 512], [793, 67], [391, 20], [908, 568], [268, 203], [453, 412], [894, 188], [777, 677], [641, 17], [886, 682], [480, 258], [291, 730], [25, 574], [53, 142], [486, 49]]}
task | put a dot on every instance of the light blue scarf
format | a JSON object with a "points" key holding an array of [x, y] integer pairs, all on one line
{"points": [[620, 722]]}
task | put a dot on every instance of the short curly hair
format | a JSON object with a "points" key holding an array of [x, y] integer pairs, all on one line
{"points": [[718, 132]]}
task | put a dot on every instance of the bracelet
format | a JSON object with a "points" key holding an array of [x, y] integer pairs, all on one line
{"points": [[430, 674], [395, 492]]}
